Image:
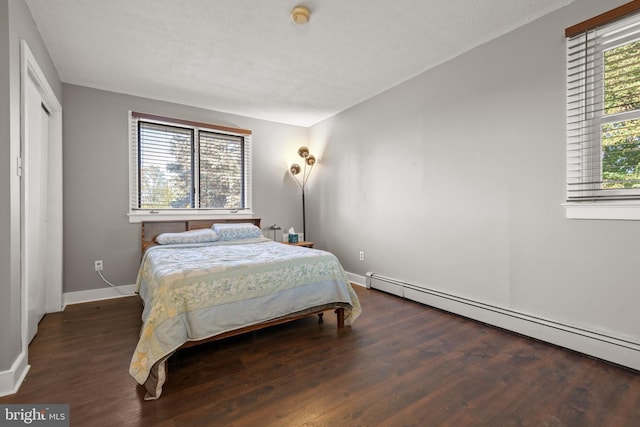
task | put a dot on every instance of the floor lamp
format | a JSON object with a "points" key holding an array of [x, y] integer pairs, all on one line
{"points": [[295, 169]]}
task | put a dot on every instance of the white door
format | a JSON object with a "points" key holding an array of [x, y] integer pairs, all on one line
{"points": [[40, 197], [35, 208]]}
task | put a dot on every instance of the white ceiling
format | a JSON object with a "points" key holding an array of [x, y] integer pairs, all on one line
{"points": [[247, 57]]}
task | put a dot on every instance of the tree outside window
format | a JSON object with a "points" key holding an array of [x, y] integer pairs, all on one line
{"points": [[620, 139]]}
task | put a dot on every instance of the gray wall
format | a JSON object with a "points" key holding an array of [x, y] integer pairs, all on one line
{"points": [[15, 23], [96, 183], [454, 180]]}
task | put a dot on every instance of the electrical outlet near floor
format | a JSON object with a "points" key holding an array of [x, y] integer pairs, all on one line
{"points": [[361, 255], [98, 265]]}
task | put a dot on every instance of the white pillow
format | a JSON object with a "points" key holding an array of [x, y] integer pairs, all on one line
{"points": [[238, 231], [191, 236]]}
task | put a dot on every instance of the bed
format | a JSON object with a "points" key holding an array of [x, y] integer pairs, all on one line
{"points": [[206, 280]]}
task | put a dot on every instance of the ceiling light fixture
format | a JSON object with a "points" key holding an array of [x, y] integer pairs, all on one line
{"points": [[300, 15]]}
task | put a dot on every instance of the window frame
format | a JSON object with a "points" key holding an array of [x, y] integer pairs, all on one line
{"points": [[137, 214], [615, 204]]}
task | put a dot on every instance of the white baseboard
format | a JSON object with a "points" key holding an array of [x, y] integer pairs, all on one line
{"points": [[11, 380], [619, 350], [356, 279], [97, 294]]}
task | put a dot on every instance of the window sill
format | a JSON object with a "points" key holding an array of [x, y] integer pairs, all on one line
{"points": [[627, 211], [145, 216]]}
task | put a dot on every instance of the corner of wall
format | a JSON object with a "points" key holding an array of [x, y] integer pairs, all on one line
{"points": [[11, 379]]}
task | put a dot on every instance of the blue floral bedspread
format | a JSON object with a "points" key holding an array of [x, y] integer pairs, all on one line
{"points": [[193, 292]]}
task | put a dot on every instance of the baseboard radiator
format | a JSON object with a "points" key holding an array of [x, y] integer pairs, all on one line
{"points": [[619, 350]]}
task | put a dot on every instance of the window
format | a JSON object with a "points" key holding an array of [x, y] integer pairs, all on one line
{"points": [[183, 168], [603, 112]]}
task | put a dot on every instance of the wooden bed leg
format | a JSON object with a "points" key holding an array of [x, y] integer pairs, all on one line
{"points": [[320, 318], [340, 317]]}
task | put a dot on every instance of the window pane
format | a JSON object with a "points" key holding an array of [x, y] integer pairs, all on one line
{"points": [[221, 171], [165, 166], [621, 154], [621, 139], [622, 78]]}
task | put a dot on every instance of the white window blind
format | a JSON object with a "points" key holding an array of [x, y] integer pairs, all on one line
{"points": [[165, 165], [221, 170], [182, 166], [603, 112]]}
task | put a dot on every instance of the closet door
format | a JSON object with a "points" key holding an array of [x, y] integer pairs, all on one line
{"points": [[35, 208], [40, 171]]}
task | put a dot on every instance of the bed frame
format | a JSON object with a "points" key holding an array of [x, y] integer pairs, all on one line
{"points": [[151, 229]]}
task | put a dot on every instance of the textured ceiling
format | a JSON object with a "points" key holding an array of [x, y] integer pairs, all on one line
{"points": [[247, 57]]}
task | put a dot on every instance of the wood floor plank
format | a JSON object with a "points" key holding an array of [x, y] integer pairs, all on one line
{"points": [[402, 363]]}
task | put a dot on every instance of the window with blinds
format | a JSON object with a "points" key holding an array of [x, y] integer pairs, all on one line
{"points": [[603, 110], [177, 165]]}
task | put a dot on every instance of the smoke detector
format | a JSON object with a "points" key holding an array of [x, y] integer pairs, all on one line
{"points": [[300, 15]]}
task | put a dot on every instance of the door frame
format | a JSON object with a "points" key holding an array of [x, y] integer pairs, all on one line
{"points": [[31, 73]]}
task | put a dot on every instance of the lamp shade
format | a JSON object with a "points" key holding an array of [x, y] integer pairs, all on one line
{"points": [[295, 169], [274, 228], [303, 151]]}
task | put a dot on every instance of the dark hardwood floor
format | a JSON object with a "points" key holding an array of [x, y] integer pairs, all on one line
{"points": [[401, 364]]}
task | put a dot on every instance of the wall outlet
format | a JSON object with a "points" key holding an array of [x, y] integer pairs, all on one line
{"points": [[361, 255], [98, 265]]}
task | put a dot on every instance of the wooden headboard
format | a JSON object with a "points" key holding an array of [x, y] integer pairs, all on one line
{"points": [[150, 229]]}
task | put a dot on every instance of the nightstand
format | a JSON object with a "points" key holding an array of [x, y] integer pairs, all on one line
{"points": [[303, 244]]}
